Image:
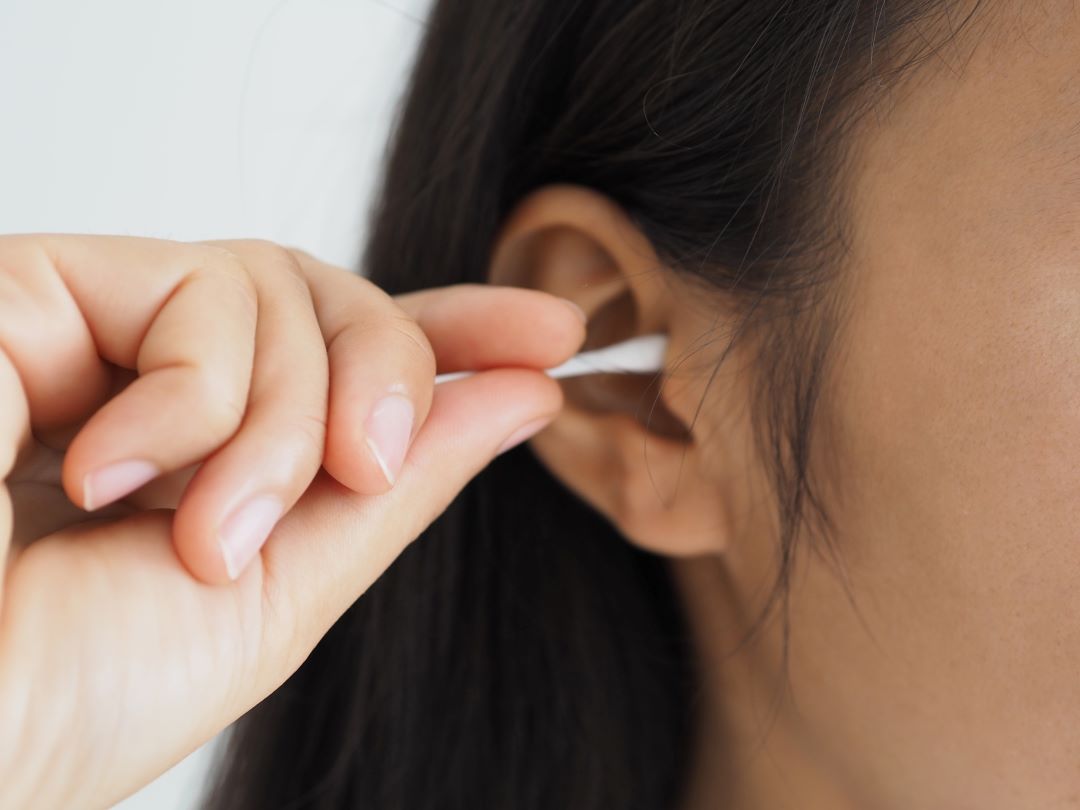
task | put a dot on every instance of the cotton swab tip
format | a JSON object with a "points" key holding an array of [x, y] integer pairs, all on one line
{"points": [[638, 355]]}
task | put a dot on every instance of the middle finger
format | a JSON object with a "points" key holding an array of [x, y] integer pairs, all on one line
{"points": [[239, 493]]}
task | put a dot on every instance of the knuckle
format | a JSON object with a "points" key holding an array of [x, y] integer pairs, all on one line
{"points": [[227, 267], [311, 426], [414, 338], [397, 329], [252, 246], [223, 258], [270, 257], [28, 268], [223, 406], [293, 277], [299, 253], [261, 251]]}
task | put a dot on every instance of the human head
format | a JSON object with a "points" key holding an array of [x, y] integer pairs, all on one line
{"points": [[854, 221]]}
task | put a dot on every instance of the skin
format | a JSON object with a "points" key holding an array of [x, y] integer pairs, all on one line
{"points": [[949, 434], [950, 420], [237, 367]]}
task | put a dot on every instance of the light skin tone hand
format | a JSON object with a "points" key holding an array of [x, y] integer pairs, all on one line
{"points": [[238, 370]]}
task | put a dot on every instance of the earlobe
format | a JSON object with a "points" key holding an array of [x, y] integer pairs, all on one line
{"points": [[616, 443], [649, 486]]}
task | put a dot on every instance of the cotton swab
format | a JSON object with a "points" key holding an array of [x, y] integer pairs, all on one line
{"points": [[639, 355]]}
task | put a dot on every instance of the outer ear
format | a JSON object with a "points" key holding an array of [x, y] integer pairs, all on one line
{"points": [[621, 442]]}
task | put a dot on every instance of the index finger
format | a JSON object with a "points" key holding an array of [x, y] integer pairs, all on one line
{"points": [[379, 344], [474, 327], [471, 327]]}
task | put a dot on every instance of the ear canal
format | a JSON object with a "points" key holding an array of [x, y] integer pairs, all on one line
{"points": [[637, 395], [584, 259], [613, 320]]}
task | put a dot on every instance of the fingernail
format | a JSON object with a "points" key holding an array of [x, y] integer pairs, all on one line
{"points": [[526, 431], [115, 481], [577, 310], [389, 427], [245, 530]]}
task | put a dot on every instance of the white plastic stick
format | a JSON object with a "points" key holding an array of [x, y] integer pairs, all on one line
{"points": [[639, 355]]}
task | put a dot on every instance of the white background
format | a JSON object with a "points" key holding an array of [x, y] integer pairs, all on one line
{"points": [[200, 119]]}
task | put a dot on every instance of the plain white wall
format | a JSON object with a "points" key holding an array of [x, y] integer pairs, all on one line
{"points": [[199, 119]]}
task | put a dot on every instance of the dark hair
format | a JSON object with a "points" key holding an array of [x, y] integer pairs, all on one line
{"points": [[521, 655]]}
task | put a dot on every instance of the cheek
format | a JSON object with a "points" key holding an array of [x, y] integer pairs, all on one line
{"points": [[959, 403], [954, 418], [964, 395]]}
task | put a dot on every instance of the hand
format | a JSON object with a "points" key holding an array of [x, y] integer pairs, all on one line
{"points": [[236, 369]]}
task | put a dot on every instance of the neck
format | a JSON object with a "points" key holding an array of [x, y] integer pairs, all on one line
{"points": [[752, 752]]}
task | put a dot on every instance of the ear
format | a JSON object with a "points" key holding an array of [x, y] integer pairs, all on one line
{"points": [[622, 441]]}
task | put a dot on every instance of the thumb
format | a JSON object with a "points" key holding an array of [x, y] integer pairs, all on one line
{"points": [[335, 543]]}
